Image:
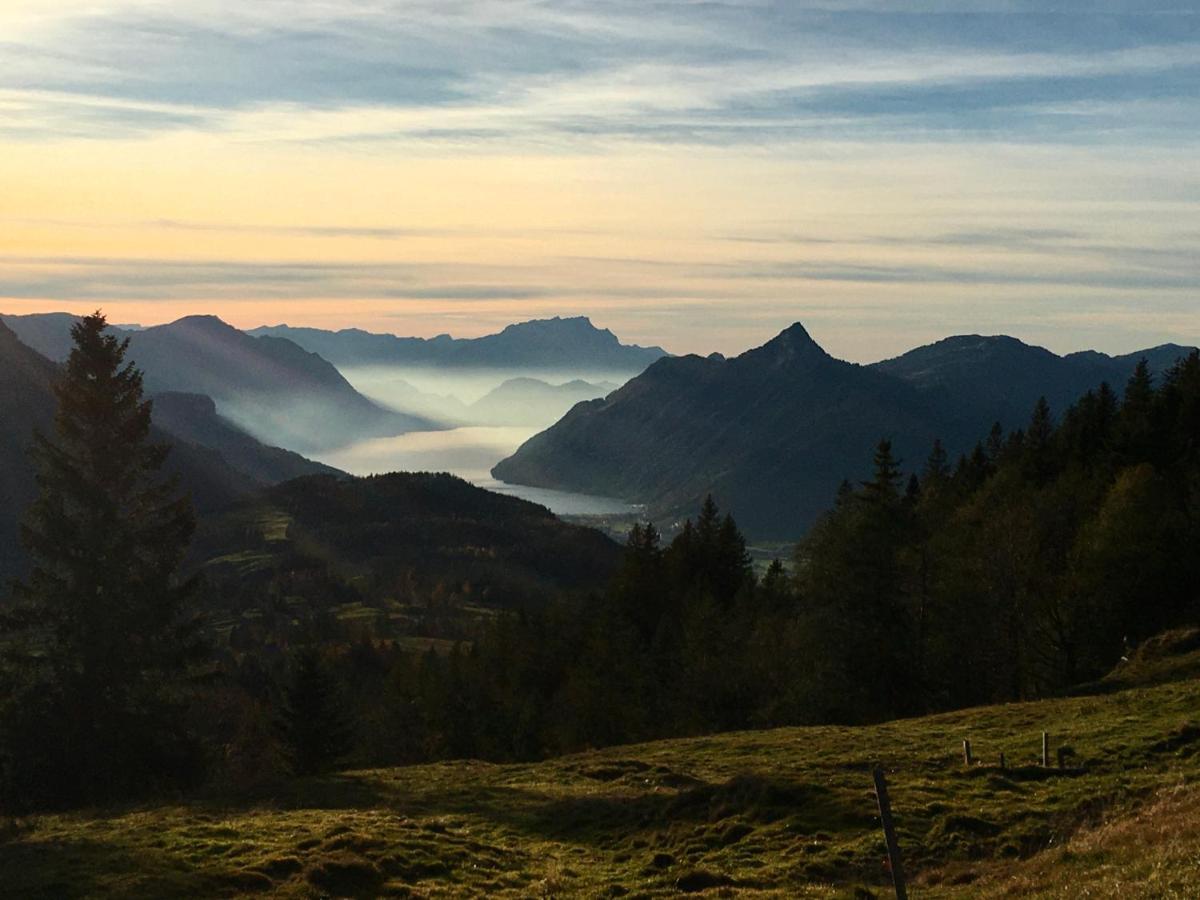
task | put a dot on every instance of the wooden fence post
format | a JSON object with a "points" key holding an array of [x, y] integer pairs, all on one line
{"points": [[1002, 766], [889, 833], [967, 752], [1045, 750]]}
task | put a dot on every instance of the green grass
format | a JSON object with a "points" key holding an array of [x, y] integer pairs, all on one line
{"points": [[786, 812], [273, 524]]}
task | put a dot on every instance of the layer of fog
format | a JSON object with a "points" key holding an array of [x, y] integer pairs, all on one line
{"points": [[482, 417], [310, 426], [482, 396], [469, 452]]}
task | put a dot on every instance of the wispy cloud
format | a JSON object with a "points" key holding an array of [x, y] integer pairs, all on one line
{"points": [[78, 278], [545, 73]]}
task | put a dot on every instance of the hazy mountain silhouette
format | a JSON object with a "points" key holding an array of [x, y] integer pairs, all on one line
{"points": [[268, 386], [557, 343], [194, 418], [530, 401], [26, 403], [773, 432]]}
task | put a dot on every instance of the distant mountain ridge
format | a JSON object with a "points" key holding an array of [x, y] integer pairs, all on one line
{"points": [[522, 401], [772, 433], [556, 343], [268, 386], [1001, 377]]}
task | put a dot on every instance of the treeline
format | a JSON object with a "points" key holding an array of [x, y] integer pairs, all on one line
{"points": [[1029, 566]]}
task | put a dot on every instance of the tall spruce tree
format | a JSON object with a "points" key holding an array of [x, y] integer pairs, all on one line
{"points": [[97, 644], [314, 728]]}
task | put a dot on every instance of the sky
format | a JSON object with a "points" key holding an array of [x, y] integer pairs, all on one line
{"points": [[692, 174]]}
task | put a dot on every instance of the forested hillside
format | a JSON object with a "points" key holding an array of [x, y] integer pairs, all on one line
{"points": [[392, 557], [1024, 567]]}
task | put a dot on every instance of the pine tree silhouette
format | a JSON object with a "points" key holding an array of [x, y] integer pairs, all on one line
{"points": [[314, 730], [98, 646]]}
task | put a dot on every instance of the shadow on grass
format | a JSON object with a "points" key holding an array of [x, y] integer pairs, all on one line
{"points": [[602, 814], [79, 868]]}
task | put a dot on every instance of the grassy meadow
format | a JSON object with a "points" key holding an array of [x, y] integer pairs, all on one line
{"points": [[786, 812]]}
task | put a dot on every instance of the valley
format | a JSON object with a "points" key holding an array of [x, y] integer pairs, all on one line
{"points": [[496, 697], [591, 449]]}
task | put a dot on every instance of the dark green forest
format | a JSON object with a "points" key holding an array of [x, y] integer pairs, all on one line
{"points": [[1019, 570]]}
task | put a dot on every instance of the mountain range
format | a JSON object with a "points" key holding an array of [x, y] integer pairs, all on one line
{"points": [[773, 432], [269, 386], [573, 344]]}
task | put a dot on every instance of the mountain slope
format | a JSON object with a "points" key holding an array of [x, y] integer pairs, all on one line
{"points": [[47, 333], [268, 386], [193, 418], [782, 813], [770, 434], [999, 378], [558, 343], [26, 403], [773, 432], [392, 539]]}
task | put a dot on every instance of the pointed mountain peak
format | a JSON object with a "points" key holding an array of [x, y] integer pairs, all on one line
{"points": [[793, 344], [795, 334]]}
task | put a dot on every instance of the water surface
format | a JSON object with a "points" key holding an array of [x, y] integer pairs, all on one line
{"points": [[469, 452]]}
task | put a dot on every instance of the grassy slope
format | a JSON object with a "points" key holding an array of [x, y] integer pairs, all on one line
{"points": [[785, 812]]}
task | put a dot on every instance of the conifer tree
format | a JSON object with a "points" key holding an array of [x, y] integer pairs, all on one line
{"points": [[733, 562], [640, 589], [1041, 426], [937, 466], [98, 644], [885, 486], [1137, 415], [316, 734], [708, 522], [995, 443], [1037, 441]]}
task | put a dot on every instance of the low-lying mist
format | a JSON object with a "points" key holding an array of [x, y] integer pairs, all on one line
{"points": [[494, 397], [478, 417]]}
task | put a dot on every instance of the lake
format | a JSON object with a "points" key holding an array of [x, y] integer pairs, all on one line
{"points": [[469, 452]]}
